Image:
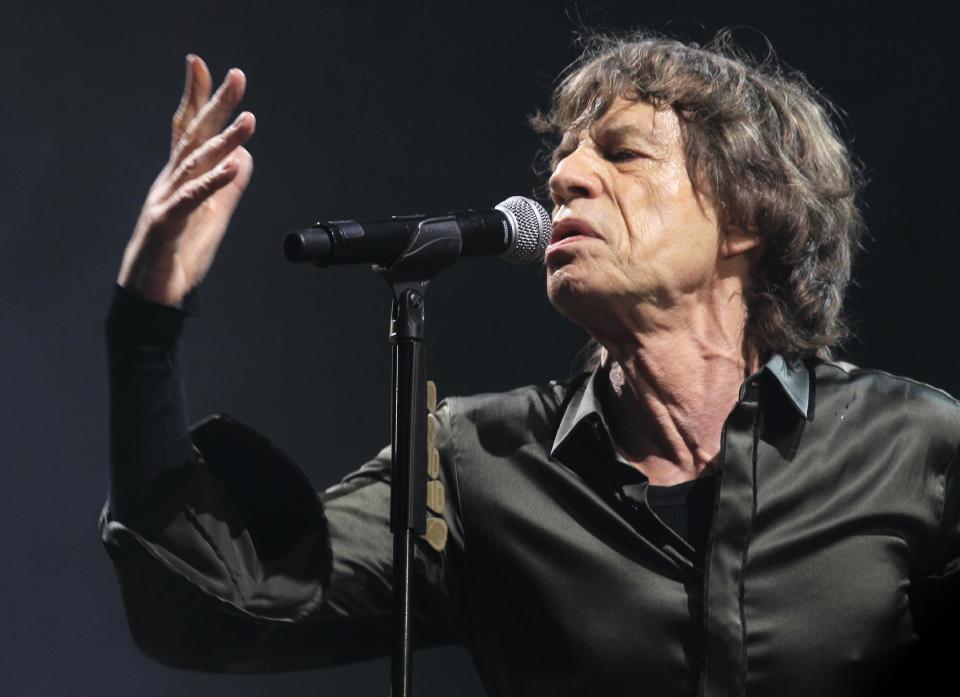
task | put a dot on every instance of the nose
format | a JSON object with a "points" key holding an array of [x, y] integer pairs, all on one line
{"points": [[575, 176]]}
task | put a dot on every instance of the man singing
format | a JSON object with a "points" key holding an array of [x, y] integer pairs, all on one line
{"points": [[716, 507]]}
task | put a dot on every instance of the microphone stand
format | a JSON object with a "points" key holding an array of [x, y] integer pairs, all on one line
{"points": [[435, 245]]}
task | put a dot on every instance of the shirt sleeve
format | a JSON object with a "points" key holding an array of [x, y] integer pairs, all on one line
{"points": [[924, 666], [227, 558], [936, 598]]}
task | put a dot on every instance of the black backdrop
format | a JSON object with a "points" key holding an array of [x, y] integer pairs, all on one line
{"points": [[363, 109]]}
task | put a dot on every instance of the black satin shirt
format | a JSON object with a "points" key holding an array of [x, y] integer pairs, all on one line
{"points": [[833, 553]]}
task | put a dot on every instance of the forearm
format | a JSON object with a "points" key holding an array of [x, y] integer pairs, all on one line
{"points": [[227, 557], [150, 446]]}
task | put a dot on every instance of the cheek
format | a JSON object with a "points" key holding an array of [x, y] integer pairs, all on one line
{"points": [[647, 207], [672, 240], [691, 256]]}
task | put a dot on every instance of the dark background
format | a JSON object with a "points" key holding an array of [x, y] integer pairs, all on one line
{"points": [[363, 109]]}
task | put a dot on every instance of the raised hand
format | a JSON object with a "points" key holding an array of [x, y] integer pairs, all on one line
{"points": [[191, 202]]}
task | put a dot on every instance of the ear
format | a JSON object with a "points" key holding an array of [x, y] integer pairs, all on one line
{"points": [[737, 240]]}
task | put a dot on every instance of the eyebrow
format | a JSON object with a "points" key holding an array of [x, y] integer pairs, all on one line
{"points": [[623, 131], [629, 130]]}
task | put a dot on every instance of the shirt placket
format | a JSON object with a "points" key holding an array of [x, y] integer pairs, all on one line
{"points": [[725, 660]]}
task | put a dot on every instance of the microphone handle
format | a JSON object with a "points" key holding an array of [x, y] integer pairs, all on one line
{"points": [[382, 241], [484, 233]]}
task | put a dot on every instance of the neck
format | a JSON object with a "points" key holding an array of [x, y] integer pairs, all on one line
{"points": [[671, 387]]}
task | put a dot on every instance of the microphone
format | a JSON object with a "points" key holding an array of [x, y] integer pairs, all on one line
{"points": [[517, 230]]}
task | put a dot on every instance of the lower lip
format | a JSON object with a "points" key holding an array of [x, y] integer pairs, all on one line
{"points": [[567, 241]]}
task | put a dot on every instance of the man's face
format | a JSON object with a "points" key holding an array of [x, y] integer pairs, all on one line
{"points": [[628, 227]]}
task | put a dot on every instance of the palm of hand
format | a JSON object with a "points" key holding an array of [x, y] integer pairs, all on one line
{"points": [[190, 204]]}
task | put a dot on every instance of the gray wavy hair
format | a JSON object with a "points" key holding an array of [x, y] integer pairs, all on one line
{"points": [[760, 144]]}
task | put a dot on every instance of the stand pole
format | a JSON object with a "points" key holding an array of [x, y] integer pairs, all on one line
{"points": [[435, 245], [408, 493]]}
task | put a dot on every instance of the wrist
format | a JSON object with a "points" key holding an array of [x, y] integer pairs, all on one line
{"points": [[133, 318]]}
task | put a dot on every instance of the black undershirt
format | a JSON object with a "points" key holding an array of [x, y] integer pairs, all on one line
{"points": [[685, 507]]}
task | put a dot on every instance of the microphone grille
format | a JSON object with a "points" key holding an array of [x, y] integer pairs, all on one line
{"points": [[532, 229]]}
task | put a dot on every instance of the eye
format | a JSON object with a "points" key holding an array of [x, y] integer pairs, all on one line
{"points": [[623, 155]]}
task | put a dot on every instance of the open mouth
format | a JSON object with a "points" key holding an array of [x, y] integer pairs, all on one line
{"points": [[570, 230]]}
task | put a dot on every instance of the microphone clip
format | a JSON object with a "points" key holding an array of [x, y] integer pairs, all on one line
{"points": [[434, 245]]}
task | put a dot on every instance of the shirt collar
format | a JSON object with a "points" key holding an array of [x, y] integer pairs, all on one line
{"points": [[583, 406], [792, 378]]}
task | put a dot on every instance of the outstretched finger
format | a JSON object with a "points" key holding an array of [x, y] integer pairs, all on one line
{"points": [[213, 114], [208, 155], [196, 92]]}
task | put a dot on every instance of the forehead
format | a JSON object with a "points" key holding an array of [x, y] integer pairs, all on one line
{"points": [[630, 119]]}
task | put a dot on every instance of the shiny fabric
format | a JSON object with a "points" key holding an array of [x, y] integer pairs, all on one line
{"points": [[834, 547]]}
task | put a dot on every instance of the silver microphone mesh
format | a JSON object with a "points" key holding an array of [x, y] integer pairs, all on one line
{"points": [[531, 228]]}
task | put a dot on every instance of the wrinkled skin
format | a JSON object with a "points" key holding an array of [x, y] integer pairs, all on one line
{"points": [[642, 262]]}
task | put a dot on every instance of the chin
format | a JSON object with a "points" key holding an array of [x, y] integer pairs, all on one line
{"points": [[568, 294]]}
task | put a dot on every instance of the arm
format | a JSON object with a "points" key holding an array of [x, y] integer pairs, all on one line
{"points": [[227, 558]]}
